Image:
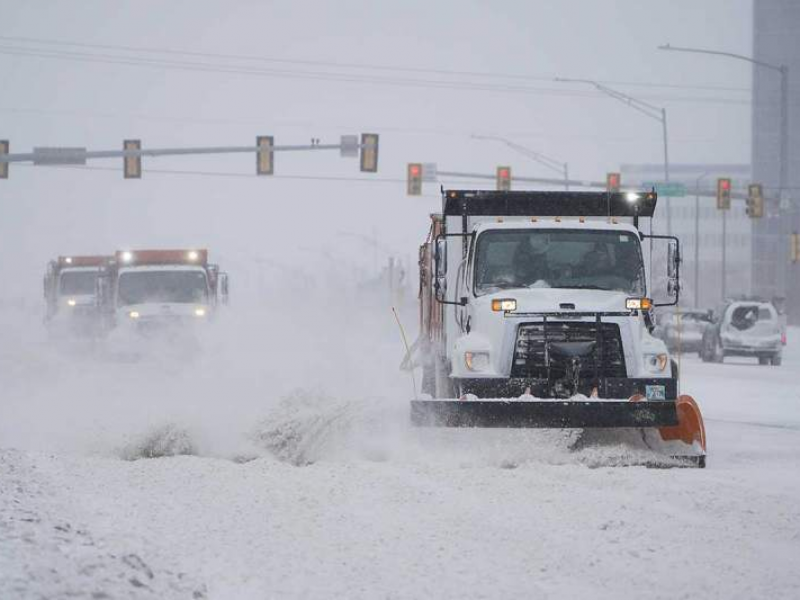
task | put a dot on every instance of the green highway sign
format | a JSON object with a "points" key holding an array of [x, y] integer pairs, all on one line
{"points": [[665, 188]]}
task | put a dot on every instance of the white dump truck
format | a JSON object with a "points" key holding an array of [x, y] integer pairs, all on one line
{"points": [[70, 294], [535, 311], [150, 290]]}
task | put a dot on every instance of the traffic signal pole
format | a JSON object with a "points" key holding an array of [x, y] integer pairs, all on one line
{"points": [[582, 183], [84, 155], [349, 146]]}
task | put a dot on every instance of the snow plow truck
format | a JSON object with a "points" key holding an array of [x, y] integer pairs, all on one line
{"points": [[535, 312], [151, 290], [70, 294]]}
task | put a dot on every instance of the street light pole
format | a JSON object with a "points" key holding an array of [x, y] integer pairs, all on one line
{"points": [[782, 286], [783, 70], [654, 112], [543, 160]]}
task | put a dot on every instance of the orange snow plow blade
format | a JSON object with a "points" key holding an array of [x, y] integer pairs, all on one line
{"points": [[690, 428], [689, 431]]}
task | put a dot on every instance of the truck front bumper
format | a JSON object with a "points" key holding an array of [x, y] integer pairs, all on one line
{"points": [[611, 387], [567, 414]]}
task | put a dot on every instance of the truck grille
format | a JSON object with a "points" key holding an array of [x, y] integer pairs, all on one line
{"points": [[530, 351]]}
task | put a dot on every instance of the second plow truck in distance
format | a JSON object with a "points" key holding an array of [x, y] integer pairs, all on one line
{"points": [[535, 312], [153, 290], [70, 287]]}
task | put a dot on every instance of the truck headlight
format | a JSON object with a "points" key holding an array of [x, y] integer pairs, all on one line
{"points": [[504, 304], [476, 361], [656, 363], [199, 312], [134, 314], [71, 302], [638, 304]]}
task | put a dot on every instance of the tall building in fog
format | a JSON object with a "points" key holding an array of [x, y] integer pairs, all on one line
{"points": [[776, 41]]}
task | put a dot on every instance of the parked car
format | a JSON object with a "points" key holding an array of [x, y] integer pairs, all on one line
{"points": [[744, 328], [683, 330]]}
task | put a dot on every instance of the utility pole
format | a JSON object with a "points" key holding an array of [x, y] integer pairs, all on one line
{"points": [[724, 256]]}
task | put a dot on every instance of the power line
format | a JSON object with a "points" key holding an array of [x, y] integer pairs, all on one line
{"points": [[327, 76], [337, 127], [348, 65]]}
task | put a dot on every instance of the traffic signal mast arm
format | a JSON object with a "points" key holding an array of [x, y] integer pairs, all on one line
{"points": [[82, 155]]}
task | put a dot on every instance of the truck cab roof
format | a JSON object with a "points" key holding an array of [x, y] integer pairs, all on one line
{"points": [[589, 224]]}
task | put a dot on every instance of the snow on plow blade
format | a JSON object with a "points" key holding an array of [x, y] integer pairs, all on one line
{"points": [[566, 414]]}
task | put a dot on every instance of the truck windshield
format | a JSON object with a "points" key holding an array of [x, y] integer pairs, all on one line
{"points": [[78, 283], [141, 287], [559, 258]]}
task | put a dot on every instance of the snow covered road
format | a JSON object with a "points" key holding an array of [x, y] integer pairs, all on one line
{"points": [[350, 503]]}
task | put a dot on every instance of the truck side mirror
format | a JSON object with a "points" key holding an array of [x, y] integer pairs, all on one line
{"points": [[673, 261], [672, 288], [440, 257]]}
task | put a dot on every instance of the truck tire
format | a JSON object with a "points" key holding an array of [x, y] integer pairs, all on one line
{"points": [[764, 360], [776, 360]]}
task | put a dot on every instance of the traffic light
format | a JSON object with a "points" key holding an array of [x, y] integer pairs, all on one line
{"points": [[265, 156], [414, 179], [613, 182], [132, 165], [503, 179], [369, 152], [755, 201], [3, 166], [795, 249], [723, 193]]}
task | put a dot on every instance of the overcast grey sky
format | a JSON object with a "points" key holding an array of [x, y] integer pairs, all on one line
{"points": [[62, 101]]}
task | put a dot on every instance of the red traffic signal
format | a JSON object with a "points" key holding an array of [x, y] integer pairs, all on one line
{"points": [[503, 179], [723, 193], [414, 179], [613, 182]]}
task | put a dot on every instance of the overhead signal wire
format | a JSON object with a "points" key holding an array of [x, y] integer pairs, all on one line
{"points": [[461, 85], [348, 65]]}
